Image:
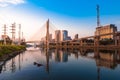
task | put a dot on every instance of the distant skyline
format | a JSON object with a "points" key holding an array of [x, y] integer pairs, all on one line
{"points": [[76, 16]]}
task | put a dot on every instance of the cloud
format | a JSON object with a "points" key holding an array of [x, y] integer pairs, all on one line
{"points": [[5, 3]]}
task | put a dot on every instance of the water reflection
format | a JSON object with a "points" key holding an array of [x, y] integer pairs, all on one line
{"points": [[103, 58], [48, 61], [107, 59], [61, 56], [12, 64]]}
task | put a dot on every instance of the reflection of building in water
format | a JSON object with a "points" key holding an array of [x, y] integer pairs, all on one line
{"points": [[107, 59], [61, 56], [75, 52], [118, 56], [84, 52], [20, 58], [57, 59]]}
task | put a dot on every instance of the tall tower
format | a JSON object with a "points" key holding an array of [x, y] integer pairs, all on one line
{"points": [[22, 36], [98, 16], [47, 46], [47, 34], [19, 33], [13, 29], [5, 32]]}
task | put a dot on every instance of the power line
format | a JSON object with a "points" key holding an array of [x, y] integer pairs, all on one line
{"points": [[19, 33], [5, 32], [13, 29]]}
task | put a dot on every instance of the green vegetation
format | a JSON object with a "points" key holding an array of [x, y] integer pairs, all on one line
{"points": [[9, 49]]}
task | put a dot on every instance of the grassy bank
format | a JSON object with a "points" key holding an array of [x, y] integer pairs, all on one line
{"points": [[9, 49]]}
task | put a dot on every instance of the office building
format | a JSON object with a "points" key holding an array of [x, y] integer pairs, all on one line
{"points": [[50, 37], [57, 36], [76, 37], [64, 35], [111, 28]]}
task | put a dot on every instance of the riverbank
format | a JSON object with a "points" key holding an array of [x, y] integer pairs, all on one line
{"points": [[7, 51]]}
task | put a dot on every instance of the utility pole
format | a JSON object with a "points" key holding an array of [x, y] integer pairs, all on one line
{"points": [[19, 34], [98, 16], [22, 37], [5, 32], [13, 29]]}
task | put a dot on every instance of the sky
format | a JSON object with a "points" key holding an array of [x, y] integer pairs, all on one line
{"points": [[76, 16]]}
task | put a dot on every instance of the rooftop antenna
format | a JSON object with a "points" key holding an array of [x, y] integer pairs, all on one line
{"points": [[98, 16]]}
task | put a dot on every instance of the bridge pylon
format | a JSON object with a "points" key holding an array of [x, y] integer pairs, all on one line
{"points": [[47, 34]]}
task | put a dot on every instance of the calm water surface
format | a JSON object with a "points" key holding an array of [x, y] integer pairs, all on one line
{"points": [[63, 65]]}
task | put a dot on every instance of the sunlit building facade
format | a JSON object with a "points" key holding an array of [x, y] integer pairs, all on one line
{"points": [[57, 36], [111, 28]]}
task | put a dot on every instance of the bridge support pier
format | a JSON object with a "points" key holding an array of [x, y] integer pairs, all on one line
{"points": [[96, 53], [96, 41], [116, 40], [81, 43]]}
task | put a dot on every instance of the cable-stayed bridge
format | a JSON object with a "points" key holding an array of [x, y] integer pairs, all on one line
{"points": [[48, 28], [42, 32]]}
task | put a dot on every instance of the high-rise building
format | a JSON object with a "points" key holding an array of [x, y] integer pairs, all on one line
{"points": [[57, 36], [61, 35], [64, 35], [111, 28], [50, 37], [69, 38], [76, 37]]}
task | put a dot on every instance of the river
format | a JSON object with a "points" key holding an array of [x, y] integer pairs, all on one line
{"points": [[84, 64]]}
